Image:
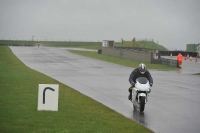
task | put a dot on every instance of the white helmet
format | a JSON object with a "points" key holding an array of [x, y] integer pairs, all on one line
{"points": [[142, 68]]}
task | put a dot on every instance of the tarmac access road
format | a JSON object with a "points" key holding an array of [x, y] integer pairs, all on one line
{"points": [[173, 105]]}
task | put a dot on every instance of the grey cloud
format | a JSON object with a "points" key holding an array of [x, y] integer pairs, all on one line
{"points": [[173, 23]]}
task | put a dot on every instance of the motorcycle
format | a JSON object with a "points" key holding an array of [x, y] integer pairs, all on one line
{"points": [[140, 93]]}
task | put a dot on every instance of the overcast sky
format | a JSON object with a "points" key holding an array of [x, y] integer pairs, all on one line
{"points": [[171, 23]]}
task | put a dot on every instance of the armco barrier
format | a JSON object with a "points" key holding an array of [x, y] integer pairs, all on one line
{"points": [[169, 62]]}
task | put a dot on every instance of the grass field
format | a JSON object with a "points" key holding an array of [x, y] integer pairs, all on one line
{"points": [[77, 113], [90, 45], [149, 45]]}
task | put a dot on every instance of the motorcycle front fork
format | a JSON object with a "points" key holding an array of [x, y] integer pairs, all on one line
{"points": [[136, 98]]}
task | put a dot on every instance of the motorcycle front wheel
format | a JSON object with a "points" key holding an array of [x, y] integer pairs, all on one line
{"points": [[142, 104]]}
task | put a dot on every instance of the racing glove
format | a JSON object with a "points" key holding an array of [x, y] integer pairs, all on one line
{"points": [[133, 84], [151, 84]]}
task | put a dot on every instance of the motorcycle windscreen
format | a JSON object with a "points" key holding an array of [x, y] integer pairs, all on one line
{"points": [[142, 80]]}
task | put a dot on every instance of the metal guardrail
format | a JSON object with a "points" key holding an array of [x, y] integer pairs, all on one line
{"points": [[169, 62]]}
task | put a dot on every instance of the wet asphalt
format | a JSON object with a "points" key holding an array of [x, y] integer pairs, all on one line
{"points": [[173, 105]]}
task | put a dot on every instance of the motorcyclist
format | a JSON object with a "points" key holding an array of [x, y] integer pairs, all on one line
{"points": [[141, 71]]}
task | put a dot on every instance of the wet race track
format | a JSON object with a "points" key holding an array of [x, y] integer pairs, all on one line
{"points": [[173, 105]]}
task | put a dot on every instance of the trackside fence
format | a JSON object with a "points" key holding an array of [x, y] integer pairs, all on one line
{"points": [[169, 62]]}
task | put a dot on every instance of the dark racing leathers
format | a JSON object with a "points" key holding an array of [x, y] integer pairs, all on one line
{"points": [[136, 74]]}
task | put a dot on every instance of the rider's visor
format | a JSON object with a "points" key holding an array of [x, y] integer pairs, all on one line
{"points": [[142, 70]]}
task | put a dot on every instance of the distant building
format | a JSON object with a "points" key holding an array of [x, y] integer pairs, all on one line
{"points": [[198, 49], [108, 43], [192, 47]]}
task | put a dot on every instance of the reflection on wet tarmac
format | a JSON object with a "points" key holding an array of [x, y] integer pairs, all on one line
{"points": [[179, 71], [139, 117]]}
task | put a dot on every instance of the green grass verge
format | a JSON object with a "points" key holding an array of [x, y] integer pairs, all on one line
{"points": [[122, 61], [149, 45], [89, 45], [77, 112]]}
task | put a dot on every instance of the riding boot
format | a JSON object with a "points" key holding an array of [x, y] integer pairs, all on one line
{"points": [[130, 93]]}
